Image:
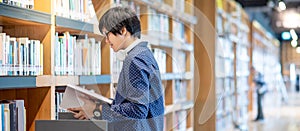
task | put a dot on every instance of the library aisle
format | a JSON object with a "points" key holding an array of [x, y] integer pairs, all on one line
{"points": [[279, 115]]}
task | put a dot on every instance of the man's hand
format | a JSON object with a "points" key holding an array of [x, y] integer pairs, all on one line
{"points": [[86, 111]]}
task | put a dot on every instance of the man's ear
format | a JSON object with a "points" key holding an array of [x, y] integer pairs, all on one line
{"points": [[124, 31]]}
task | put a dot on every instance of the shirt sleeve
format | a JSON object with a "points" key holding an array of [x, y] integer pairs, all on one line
{"points": [[136, 101]]}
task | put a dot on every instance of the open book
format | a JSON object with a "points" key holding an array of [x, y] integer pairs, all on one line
{"points": [[73, 94]]}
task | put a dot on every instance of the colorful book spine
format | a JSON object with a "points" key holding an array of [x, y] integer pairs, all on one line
{"points": [[79, 57], [73, 9]]}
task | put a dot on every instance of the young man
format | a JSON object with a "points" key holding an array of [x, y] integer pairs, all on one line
{"points": [[138, 104]]}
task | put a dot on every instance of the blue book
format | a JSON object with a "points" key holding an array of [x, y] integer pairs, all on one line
{"points": [[2, 117], [10, 58]]}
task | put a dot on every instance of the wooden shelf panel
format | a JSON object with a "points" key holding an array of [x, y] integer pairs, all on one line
{"points": [[64, 80], [179, 106], [190, 129], [62, 22], [98, 79], [75, 27], [16, 82], [166, 9], [173, 76], [11, 15]]}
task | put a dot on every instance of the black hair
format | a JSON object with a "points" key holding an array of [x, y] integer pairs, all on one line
{"points": [[116, 18]]}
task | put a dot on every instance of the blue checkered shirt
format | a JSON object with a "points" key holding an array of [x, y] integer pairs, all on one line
{"points": [[139, 102]]}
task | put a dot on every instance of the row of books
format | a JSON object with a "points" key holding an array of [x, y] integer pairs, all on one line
{"points": [[224, 67], [77, 56], [178, 30], [224, 123], [180, 91], [224, 106], [12, 115], [224, 86], [161, 59], [73, 9], [224, 48], [129, 3], [242, 53], [158, 24], [242, 68], [58, 100], [20, 56], [29, 4], [179, 60]]}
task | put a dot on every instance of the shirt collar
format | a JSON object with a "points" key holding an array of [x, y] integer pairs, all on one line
{"points": [[132, 45]]}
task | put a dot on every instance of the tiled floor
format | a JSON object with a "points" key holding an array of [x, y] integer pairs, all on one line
{"points": [[279, 116]]}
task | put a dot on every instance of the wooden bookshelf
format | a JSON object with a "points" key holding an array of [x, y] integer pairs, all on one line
{"points": [[233, 27], [98, 79], [14, 82], [20, 22], [265, 58], [40, 102], [11, 15]]}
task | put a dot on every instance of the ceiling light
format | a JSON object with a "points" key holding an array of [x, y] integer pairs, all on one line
{"points": [[282, 5], [294, 34], [298, 50], [290, 19], [294, 43], [286, 35]]}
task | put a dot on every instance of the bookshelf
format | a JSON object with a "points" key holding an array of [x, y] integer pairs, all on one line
{"points": [[232, 65], [38, 92], [266, 59]]}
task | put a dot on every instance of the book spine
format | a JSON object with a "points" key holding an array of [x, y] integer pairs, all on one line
{"points": [[10, 58], [16, 56], [41, 67], [7, 43], [34, 57], [70, 55], [1, 53], [26, 57], [13, 116]]}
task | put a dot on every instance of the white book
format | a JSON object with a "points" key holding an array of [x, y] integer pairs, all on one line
{"points": [[6, 117], [57, 55], [71, 55], [92, 56], [6, 52], [41, 62], [21, 115], [76, 53], [31, 57], [34, 57], [80, 58], [2, 50], [85, 55], [98, 58], [63, 54], [14, 59], [39, 57], [26, 56], [73, 95]]}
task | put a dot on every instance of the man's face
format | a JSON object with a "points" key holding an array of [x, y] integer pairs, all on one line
{"points": [[115, 41]]}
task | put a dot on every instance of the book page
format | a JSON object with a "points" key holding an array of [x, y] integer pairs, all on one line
{"points": [[73, 93]]}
